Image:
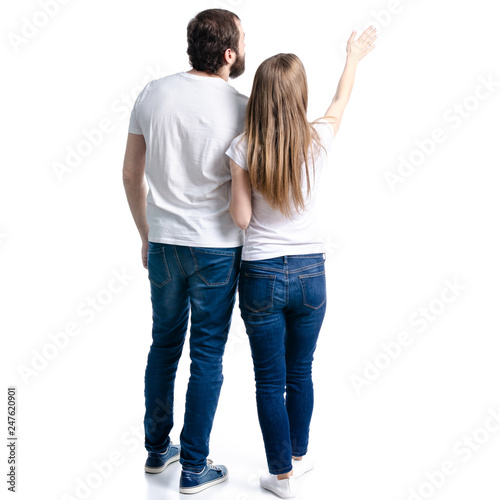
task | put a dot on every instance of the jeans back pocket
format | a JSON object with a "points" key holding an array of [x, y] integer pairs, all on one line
{"points": [[214, 266], [313, 289], [257, 291], [158, 271]]}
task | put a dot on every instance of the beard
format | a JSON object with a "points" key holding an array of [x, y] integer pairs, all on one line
{"points": [[238, 68]]}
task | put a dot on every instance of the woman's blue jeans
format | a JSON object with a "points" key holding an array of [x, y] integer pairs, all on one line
{"points": [[203, 280], [283, 303]]}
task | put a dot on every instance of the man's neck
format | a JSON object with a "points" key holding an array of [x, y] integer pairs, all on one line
{"points": [[223, 73]]}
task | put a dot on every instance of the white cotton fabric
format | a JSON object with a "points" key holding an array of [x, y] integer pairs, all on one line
{"points": [[188, 121], [270, 233]]}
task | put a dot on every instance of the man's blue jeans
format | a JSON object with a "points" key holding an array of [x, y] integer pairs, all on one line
{"points": [[203, 280], [283, 303]]}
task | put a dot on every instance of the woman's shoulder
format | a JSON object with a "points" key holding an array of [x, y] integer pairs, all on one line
{"points": [[237, 150], [324, 129], [240, 141]]}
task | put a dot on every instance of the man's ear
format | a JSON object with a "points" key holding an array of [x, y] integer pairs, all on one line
{"points": [[229, 56]]}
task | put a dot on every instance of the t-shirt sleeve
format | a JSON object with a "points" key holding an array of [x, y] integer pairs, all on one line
{"points": [[325, 131], [134, 126], [237, 151]]}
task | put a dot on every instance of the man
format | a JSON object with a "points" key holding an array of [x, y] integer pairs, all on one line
{"points": [[180, 128]]}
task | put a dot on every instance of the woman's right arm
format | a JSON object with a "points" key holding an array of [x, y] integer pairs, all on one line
{"points": [[356, 50], [240, 206]]}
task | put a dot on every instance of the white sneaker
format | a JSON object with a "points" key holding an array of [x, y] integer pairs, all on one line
{"points": [[284, 488], [300, 467]]}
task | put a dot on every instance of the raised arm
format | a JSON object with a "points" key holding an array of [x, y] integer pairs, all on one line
{"points": [[356, 50]]}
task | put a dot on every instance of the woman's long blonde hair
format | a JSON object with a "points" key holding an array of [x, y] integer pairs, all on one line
{"points": [[278, 133]]}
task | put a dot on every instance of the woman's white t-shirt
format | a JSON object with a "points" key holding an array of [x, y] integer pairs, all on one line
{"points": [[270, 233]]}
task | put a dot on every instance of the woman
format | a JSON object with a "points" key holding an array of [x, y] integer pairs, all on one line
{"points": [[275, 165]]}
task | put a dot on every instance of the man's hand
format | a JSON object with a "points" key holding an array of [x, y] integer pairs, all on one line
{"points": [[145, 246]]}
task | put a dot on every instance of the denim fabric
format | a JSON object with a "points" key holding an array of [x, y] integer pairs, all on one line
{"points": [[283, 303], [203, 281]]}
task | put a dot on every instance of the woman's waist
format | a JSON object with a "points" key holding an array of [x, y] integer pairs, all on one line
{"points": [[307, 257]]}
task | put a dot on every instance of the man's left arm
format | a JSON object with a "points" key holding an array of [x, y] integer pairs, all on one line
{"points": [[134, 166]]}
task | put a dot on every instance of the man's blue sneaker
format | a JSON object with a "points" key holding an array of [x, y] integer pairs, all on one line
{"points": [[158, 462], [194, 482]]}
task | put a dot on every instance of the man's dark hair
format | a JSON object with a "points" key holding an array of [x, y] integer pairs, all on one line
{"points": [[209, 35]]}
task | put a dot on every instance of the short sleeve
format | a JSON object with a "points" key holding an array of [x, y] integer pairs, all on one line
{"points": [[237, 151], [134, 126], [325, 131]]}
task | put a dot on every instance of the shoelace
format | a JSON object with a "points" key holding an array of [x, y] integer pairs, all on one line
{"points": [[210, 462]]}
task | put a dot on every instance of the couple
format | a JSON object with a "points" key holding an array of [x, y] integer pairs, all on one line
{"points": [[225, 207]]}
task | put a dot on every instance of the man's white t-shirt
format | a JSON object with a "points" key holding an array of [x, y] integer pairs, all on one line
{"points": [[270, 233], [188, 121]]}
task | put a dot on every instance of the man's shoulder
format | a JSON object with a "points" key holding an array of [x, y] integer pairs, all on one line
{"points": [[240, 98], [163, 80], [182, 90], [157, 84]]}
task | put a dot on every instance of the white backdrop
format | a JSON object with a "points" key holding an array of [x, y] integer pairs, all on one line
{"points": [[406, 371]]}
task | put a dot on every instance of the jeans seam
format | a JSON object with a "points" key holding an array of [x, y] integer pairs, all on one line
{"points": [[273, 269], [313, 275], [304, 299], [272, 280], [179, 262], [187, 469], [167, 270], [310, 266], [275, 472], [306, 256], [262, 268], [221, 283], [220, 251], [287, 285]]}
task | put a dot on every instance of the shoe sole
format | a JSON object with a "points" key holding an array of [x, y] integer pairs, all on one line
{"points": [[157, 470], [204, 486]]}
